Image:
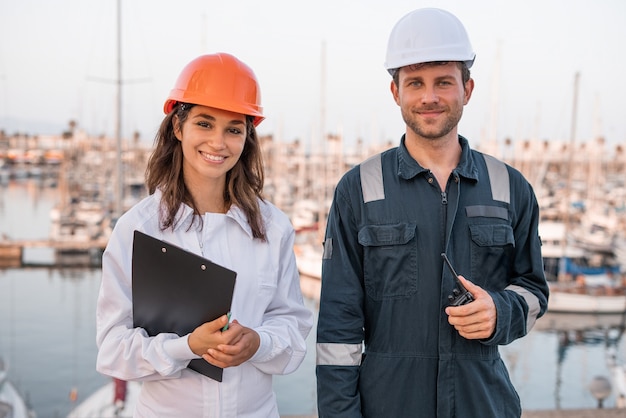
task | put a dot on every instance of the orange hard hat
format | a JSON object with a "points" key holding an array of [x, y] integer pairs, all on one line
{"points": [[221, 81]]}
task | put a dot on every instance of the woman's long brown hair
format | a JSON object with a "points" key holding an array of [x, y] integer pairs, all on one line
{"points": [[244, 182]]}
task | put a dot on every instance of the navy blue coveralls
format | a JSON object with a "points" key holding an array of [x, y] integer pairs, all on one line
{"points": [[384, 345]]}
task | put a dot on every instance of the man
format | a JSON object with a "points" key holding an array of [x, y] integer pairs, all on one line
{"points": [[390, 342]]}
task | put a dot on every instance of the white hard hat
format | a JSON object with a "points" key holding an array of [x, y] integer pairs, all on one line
{"points": [[428, 35]]}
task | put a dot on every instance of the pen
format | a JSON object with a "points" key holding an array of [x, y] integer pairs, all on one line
{"points": [[226, 326]]}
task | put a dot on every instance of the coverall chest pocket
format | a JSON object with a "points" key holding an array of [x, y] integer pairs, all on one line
{"points": [[389, 260], [491, 250]]}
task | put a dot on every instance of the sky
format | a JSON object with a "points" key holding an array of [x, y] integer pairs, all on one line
{"points": [[319, 64]]}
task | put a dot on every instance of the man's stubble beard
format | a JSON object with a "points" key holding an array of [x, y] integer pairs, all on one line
{"points": [[451, 121]]}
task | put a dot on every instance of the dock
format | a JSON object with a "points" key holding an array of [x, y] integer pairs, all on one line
{"points": [[82, 253], [561, 413], [576, 413]]}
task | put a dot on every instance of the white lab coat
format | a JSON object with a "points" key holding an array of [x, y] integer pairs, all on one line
{"points": [[267, 298]]}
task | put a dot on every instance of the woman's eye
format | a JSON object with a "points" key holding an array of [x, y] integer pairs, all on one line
{"points": [[204, 124], [235, 131]]}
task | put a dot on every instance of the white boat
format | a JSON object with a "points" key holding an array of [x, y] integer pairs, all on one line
{"points": [[12, 405], [113, 400], [587, 299], [586, 303], [618, 375], [581, 280], [575, 322], [309, 260]]}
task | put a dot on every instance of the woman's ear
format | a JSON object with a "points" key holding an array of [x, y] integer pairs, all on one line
{"points": [[177, 130]]}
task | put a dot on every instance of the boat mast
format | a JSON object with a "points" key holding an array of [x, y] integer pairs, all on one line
{"points": [[492, 138], [118, 125], [570, 157], [321, 225]]}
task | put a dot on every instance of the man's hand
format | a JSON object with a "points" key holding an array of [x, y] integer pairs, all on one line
{"points": [[477, 319]]}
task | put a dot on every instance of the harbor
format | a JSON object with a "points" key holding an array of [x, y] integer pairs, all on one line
{"points": [[57, 214], [61, 193], [580, 187]]}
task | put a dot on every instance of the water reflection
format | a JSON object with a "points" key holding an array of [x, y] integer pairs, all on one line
{"points": [[551, 367], [588, 330]]}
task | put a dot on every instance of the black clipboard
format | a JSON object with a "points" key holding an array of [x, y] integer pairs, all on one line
{"points": [[175, 290]]}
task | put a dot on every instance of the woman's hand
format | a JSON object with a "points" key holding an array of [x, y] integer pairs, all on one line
{"points": [[209, 335], [239, 345]]}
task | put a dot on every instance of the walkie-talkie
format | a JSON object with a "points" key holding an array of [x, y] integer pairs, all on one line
{"points": [[460, 295]]}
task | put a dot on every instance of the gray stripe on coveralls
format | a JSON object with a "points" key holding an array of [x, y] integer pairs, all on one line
{"points": [[372, 179]]}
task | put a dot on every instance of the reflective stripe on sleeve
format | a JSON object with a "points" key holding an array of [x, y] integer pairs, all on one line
{"points": [[333, 354], [499, 179], [531, 301], [372, 179]]}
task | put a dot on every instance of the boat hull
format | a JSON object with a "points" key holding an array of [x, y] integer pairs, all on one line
{"points": [[567, 302]]}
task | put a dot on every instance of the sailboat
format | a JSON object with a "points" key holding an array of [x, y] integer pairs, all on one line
{"points": [[12, 404], [579, 262], [116, 398]]}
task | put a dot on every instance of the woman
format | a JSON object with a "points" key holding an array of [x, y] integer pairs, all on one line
{"points": [[205, 179]]}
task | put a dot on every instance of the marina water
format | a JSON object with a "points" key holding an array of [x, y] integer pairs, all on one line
{"points": [[47, 332]]}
